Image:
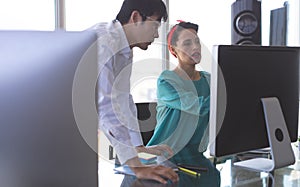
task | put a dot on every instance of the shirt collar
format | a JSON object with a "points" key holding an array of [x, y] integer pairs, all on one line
{"points": [[119, 36]]}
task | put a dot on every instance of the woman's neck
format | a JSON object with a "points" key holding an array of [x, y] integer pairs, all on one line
{"points": [[187, 72]]}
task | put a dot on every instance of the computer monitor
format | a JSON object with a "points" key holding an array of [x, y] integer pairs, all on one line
{"points": [[279, 25], [241, 77], [41, 141]]}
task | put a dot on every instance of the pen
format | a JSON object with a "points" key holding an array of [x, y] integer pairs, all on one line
{"points": [[196, 168], [194, 173]]}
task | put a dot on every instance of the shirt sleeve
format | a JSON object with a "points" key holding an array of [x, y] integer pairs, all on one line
{"points": [[117, 112], [182, 96]]}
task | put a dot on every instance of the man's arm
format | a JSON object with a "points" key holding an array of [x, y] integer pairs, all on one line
{"points": [[119, 122], [112, 120]]}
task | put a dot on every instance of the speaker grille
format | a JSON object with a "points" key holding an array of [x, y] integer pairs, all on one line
{"points": [[246, 22]]}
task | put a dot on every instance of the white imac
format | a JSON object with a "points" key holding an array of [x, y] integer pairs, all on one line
{"points": [[40, 140]]}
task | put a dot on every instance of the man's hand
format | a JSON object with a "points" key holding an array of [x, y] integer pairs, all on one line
{"points": [[160, 150], [157, 172], [154, 172]]}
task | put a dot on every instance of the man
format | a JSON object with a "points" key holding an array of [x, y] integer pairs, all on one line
{"points": [[136, 25]]}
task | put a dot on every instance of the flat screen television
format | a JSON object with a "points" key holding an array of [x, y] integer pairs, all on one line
{"points": [[241, 77], [41, 141]]}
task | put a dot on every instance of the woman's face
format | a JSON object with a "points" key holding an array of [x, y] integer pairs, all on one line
{"points": [[188, 47]]}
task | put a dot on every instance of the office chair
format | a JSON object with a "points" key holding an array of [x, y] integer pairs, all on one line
{"points": [[146, 114]]}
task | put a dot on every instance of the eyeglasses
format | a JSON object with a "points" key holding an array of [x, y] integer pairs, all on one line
{"points": [[156, 23]]}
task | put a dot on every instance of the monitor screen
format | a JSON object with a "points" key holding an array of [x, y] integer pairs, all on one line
{"points": [[41, 143], [241, 76], [279, 25]]}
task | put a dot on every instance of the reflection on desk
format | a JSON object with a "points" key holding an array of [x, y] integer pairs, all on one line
{"points": [[185, 180], [230, 177]]}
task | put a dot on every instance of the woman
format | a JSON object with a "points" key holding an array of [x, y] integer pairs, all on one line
{"points": [[183, 103]]}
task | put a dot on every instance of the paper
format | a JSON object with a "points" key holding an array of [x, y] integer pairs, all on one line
{"points": [[147, 158], [125, 169]]}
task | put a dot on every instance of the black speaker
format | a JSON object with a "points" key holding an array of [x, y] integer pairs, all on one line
{"points": [[246, 22]]}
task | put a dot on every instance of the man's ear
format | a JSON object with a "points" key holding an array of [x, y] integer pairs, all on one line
{"points": [[135, 17]]}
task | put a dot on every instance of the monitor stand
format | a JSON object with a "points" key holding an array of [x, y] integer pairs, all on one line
{"points": [[280, 143]]}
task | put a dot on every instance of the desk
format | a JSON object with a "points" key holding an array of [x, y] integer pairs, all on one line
{"points": [[230, 177]]}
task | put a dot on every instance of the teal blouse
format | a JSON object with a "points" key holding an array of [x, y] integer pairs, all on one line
{"points": [[182, 120], [182, 115]]}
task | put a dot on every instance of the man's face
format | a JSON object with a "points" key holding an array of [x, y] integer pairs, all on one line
{"points": [[147, 32]]}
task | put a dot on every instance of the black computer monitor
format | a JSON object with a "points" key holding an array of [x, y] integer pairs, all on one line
{"points": [[279, 25], [241, 77], [42, 142]]}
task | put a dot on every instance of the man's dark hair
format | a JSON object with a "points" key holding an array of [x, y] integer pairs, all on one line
{"points": [[144, 7]]}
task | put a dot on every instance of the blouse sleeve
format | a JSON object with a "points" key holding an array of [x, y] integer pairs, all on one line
{"points": [[180, 95], [181, 114]]}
